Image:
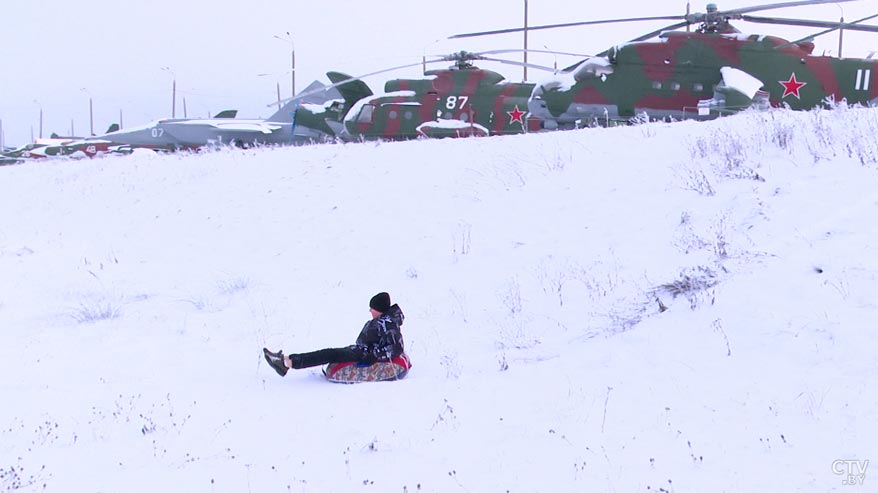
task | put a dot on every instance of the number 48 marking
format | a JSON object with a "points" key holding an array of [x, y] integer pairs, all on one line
{"points": [[451, 102]]}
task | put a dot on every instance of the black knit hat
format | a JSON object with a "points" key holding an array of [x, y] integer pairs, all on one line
{"points": [[380, 302]]}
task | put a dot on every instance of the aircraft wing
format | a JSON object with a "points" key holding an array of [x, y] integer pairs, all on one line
{"points": [[243, 126]]}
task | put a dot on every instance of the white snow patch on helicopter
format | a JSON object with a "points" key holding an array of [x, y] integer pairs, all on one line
{"points": [[743, 36], [320, 108], [595, 66], [741, 81], [562, 81], [354, 112]]}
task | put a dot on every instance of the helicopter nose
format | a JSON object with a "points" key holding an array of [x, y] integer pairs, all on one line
{"points": [[344, 135], [537, 92], [537, 103], [539, 108]]}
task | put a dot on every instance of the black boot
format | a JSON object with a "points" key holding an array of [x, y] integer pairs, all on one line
{"points": [[276, 361]]}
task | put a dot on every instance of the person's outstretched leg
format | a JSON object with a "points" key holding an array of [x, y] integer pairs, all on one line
{"points": [[281, 362], [322, 357]]}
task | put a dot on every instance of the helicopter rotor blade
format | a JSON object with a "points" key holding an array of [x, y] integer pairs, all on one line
{"points": [[519, 50], [850, 25], [347, 81], [691, 18], [659, 31], [833, 26], [566, 24], [520, 64], [732, 14], [652, 34], [782, 5], [454, 57]]}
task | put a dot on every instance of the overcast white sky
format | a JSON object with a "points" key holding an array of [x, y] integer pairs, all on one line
{"points": [[125, 55]]}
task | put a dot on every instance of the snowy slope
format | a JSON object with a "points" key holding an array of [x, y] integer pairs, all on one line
{"points": [[682, 307]]}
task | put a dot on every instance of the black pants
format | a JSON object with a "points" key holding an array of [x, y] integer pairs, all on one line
{"points": [[329, 355]]}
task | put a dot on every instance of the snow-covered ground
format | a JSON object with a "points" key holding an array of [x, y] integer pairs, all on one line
{"points": [[681, 307]]}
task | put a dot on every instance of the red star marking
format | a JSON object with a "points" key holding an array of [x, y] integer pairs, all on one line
{"points": [[791, 86], [516, 115]]}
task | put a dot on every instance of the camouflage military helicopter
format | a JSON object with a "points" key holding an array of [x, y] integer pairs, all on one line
{"points": [[459, 101], [701, 74]]}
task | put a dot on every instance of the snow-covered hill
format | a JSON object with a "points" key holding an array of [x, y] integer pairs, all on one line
{"points": [[666, 307]]}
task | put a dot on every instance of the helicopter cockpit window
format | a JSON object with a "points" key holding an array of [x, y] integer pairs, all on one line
{"points": [[407, 115], [393, 114], [675, 86], [656, 84], [697, 87], [365, 115]]}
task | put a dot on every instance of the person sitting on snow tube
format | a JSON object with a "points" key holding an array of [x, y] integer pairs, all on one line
{"points": [[380, 340]]}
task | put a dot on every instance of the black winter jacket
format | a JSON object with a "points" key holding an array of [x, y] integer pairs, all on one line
{"points": [[381, 339]]}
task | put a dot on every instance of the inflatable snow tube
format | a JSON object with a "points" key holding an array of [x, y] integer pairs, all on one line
{"points": [[379, 371]]}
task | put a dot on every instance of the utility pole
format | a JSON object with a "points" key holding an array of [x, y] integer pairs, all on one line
{"points": [[41, 122], [841, 28], [289, 38], [2, 147], [278, 96], [184, 108], [525, 41], [173, 91], [120, 119], [91, 114]]}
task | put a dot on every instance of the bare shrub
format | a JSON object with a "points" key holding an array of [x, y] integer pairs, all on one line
{"points": [[461, 240], [95, 311], [780, 131], [691, 284], [233, 286], [557, 158], [517, 334], [15, 478], [726, 156], [512, 297], [694, 178]]}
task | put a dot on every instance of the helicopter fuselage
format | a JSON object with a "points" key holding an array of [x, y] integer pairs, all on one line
{"points": [[461, 102], [680, 73]]}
